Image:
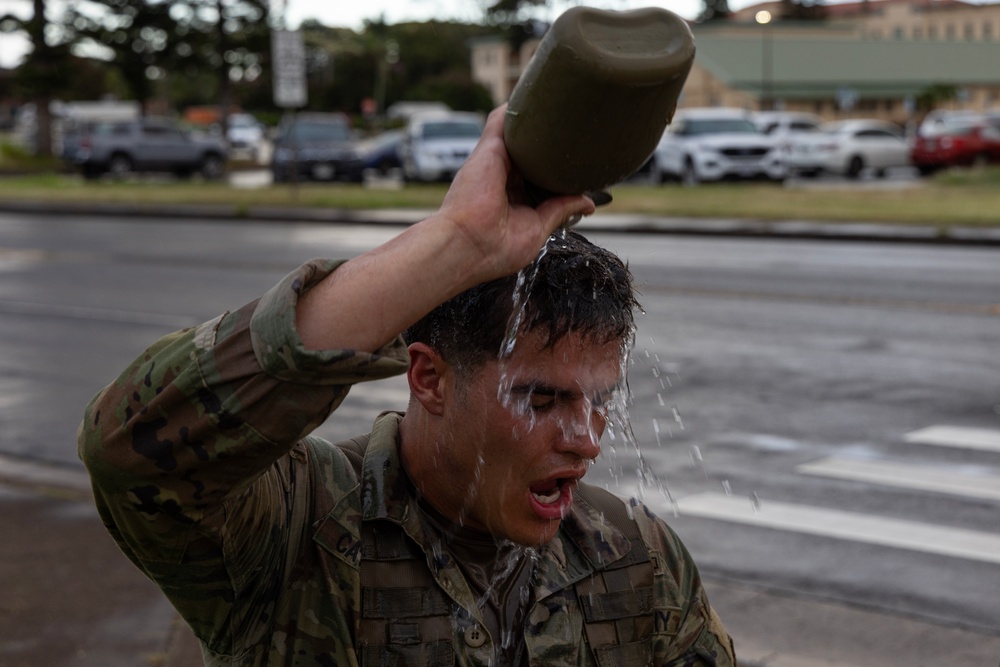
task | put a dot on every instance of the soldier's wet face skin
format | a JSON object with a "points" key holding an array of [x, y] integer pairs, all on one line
{"points": [[518, 435]]}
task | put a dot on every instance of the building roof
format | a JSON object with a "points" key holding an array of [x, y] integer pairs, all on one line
{"points": [[816, 67], [839, 10]]}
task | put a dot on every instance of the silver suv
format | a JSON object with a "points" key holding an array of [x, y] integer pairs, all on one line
{"points": [[148, 144], [436, 144]]}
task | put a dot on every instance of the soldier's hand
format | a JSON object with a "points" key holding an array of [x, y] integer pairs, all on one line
{"points": [[486, 207]]}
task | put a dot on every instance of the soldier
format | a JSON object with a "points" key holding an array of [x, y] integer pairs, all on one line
{"points": [[457, 533]]}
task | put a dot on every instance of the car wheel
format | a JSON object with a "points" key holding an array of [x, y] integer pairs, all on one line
{"points": [[410, 173], [120, 166], [658, 175], [385, 166], [213, 166], [689, 175], [927, 169], [855, 166]]}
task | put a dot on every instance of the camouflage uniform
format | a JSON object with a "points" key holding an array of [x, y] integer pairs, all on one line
{"points": [[205, 475]]}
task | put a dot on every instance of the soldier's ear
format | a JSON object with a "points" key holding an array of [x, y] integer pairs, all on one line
{"points": [[427, 376]]}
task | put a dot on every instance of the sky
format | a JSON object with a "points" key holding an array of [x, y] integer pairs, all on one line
{"points": [[353, 13]]}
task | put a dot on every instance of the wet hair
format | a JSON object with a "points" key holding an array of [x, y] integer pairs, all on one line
{"points": [[576, 287]]}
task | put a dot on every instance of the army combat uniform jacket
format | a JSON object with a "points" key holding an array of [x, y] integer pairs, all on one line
{"points": [[281, 549]]}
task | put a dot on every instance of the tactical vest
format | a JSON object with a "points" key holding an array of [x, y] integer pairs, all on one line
{"points": [[407, 621]]}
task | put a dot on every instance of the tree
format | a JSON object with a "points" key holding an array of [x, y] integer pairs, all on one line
{"points": [[507, 13], [714, 10], [41, 77], [803, 10], [431, 63], [228, 37], [936, 95], [139, 38], [152, 41]]}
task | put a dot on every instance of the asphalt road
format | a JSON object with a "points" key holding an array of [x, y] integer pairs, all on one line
{"points": [[762, 369]]}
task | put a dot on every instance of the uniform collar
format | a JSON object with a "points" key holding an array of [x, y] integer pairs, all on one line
{"points": [[385, 489]]}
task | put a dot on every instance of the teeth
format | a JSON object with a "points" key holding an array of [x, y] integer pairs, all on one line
{"points": [[548, 498]]}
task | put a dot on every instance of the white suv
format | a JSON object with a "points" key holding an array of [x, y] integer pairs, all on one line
{"points": [[436, 144], [713, 144]]}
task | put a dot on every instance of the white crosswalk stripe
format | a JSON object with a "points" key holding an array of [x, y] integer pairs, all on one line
{"points": [[973, 482], [908, 476], [957, 436], [913, 535]]}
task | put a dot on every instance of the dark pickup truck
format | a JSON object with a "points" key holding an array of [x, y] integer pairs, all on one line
{"points": [[149, 144]]}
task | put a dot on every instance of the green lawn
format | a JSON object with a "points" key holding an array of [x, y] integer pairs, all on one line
{"points": [[969, 198]]}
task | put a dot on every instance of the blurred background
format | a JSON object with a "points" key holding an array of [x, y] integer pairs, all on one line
{"points": [[210, 67], [816, 384]]}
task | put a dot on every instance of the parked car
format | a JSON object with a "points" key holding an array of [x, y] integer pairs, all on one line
{"points": [[244, 134], [713, 144], [316, 146], [956, 143], [146, 144], [381, 152], [436, 144], [786, 125], [939, 120], [849, 147]]}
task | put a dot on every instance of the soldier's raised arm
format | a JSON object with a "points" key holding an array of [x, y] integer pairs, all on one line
{"points": [[478, 234]]}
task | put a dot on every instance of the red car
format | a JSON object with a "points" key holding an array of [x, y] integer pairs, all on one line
{"points": [[958, 144]]}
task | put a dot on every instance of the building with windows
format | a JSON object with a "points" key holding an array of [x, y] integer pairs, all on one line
{"points": [[889, 59], [944, 20]]}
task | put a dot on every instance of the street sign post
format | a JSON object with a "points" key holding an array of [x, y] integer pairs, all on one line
{"points": [[288, 54]]}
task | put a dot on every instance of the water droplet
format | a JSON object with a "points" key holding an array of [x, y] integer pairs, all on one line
{"points": [[677, 418], [726, 487], [755, 502]]}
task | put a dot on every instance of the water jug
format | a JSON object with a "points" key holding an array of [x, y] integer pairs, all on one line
{"points": [[596, 97]]}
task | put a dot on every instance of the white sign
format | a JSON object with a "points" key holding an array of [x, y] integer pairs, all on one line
{"points": [[846, 98], [288, 54]]}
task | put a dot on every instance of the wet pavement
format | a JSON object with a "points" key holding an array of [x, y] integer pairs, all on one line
{"points": [[70, 598]]}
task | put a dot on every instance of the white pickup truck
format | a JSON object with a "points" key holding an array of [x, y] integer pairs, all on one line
{"points": [[147, 144]]}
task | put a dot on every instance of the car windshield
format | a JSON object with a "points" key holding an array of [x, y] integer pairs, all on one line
{"points": [[319, 132], [836, 128], [451, 129], [695, 127]]}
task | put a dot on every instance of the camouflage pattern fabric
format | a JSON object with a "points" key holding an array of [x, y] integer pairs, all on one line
{"points": [[206, 476]]}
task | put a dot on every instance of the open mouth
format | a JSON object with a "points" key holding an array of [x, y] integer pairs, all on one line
{"points": [[549, 491], [551, 499]]}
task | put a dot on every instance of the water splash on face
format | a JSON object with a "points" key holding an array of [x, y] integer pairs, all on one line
{"points": [[522, 290]]}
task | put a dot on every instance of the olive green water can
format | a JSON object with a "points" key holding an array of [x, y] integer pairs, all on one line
{"points": [[596, 97]]}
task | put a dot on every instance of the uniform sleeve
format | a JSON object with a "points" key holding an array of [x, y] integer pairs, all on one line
{"points": [[188, 451], [687, 631]]}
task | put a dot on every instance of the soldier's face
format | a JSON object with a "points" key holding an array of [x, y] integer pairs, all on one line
{"points": [[521, 433]]}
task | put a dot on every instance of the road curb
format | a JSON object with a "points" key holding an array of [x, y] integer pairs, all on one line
{"points": [[599, 222]]}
